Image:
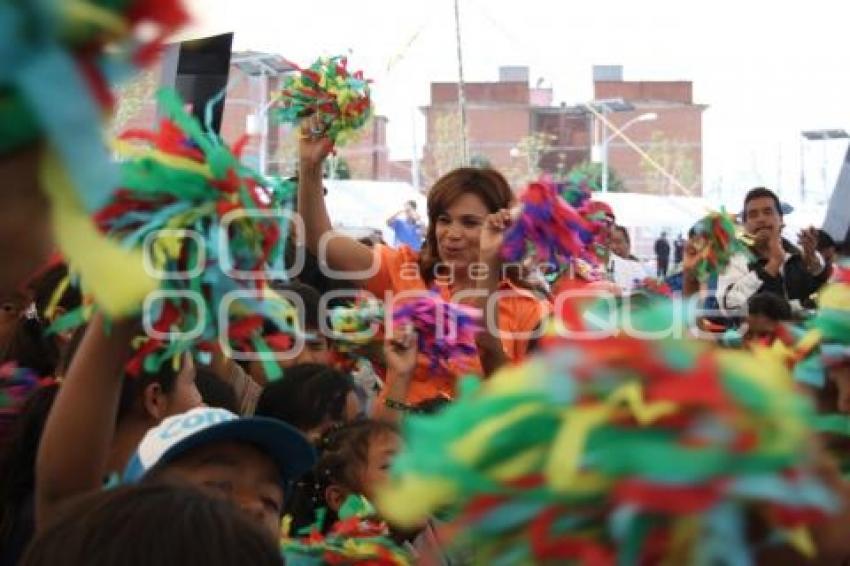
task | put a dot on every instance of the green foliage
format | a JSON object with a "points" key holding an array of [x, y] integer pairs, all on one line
{"points": [[593, 173]]}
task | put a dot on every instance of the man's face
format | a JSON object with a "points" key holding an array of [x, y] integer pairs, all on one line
{"points": [[237, 472], [761, 219]]}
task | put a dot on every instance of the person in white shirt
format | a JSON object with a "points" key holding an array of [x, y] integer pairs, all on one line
{"points": [[775, 266], [624, 269]]}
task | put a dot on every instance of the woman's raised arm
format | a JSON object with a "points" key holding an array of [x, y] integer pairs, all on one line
{"points": [[341, 252]]}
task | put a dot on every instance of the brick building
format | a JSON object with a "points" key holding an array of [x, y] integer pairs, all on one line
{"points": [[500, 114], [497, 118], [673, 139]]}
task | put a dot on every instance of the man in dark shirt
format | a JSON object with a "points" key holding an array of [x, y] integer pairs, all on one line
{"points": [[662, 254], [775, 266]]}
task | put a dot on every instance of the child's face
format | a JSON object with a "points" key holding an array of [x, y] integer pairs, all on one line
{"points": [[760, 326], [382, 450], [237, 472]]}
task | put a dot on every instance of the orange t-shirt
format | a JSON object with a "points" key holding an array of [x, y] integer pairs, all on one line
{"points": [[520, 313]]}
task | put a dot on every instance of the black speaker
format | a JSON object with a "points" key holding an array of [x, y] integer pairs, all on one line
{"points": [[198, 70], [837, 222]]}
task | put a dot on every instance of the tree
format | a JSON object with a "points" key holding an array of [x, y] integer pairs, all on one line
{"points": [[480, 161], [593, 173], [446, 150], [336, 167], [526, 156], [675, 159]]}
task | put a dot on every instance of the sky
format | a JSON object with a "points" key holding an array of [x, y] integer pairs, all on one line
{"points": [[766, 71]]}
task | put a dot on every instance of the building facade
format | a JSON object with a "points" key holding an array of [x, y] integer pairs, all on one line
{"points": [[514, 127]]}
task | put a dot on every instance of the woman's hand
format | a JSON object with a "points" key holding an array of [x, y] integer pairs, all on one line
{"points": [[314, 146], [400, 351], [492, 236]]}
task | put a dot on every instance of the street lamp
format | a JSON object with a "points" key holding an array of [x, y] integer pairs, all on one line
{"points": [[645, 117], [261, 67]]}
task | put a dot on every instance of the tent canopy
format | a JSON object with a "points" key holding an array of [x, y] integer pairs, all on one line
{"points": [[635, 210]]}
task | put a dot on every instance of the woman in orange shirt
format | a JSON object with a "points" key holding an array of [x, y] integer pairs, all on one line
{"points": [[468, 214]]}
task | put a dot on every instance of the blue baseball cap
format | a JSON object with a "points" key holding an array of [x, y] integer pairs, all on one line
{"points": [[177, 435]]}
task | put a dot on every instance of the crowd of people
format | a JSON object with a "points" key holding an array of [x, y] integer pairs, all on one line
{"points": [[357, 436]]}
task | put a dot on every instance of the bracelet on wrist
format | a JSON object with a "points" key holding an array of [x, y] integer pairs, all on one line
{"points": [[399, 406]]}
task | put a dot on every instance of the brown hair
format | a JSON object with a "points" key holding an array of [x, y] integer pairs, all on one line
{"points": [[487, 184]]}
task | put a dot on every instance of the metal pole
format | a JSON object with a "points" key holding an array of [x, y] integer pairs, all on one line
{"points": [[414, 160], [604, 157], [262, 115], [461, 99]]}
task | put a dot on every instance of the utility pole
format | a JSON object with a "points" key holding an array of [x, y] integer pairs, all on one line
{"points": [[461, 99], [414, 160]]}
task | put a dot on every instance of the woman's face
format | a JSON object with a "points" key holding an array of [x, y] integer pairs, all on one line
{"points": [[458, 230]]}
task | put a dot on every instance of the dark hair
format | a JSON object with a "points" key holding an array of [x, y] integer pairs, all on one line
{"points": [[345, 453], [155, 523], [214, 391], [625, 233], [411, 204], [825, 240], [770, 305], [48, 284], [306, 396], [761, 192], [133, 387], [17, 470], [487, 184], [310, 297]]}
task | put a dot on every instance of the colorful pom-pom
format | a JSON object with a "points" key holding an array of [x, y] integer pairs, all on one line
{"points": [[358, 538], [716, 242], [210, 228], [548, 228], [327, 89], [606, 451], [444, 330]]}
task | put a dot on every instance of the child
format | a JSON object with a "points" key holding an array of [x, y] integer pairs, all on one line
{"points": [[355, 459], [765, 314]]}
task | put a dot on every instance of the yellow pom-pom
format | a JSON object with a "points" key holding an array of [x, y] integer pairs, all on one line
{"points": [[116, 277]]}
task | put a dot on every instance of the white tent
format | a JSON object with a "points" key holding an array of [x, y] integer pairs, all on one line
{"points": [[635, 210], [356, 204]]}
